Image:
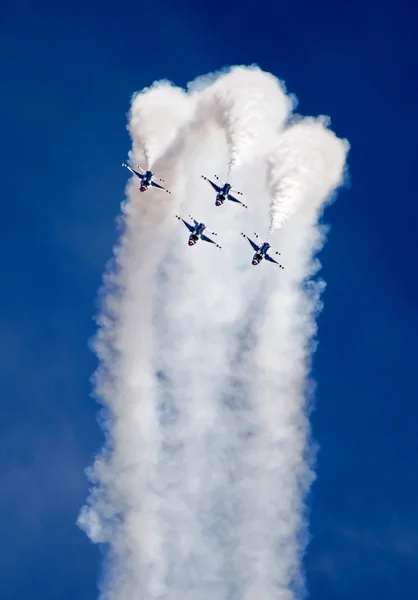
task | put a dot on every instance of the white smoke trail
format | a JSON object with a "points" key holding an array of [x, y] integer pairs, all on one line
{"points": [[156, 115], [204, 361], [302, 178], [125, 381], [306, 166], [250, 105]]}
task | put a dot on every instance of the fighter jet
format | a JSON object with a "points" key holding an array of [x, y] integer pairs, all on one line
{"points": [[197, 230], [223, 193], [147, 178], [261, 251]]}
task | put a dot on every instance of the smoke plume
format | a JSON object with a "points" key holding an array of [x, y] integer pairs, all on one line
{"points": [[204, 359]]}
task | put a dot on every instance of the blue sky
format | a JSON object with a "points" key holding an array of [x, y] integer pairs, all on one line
{"points": [[68, 73]]}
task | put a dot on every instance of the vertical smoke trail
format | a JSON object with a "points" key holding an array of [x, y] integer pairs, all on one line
{"points": [[305, 167], [250, 105], [204, 359], [156, 115], [123, 507], [303, 172]]}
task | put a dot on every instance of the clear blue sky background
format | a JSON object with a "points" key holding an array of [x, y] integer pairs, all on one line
{"points": [[68, 72]]}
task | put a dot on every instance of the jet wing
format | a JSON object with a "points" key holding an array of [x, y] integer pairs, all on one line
{"points": [[267, 257], [215, 187], [253, 244], [206, 239], [157, 185], [189, 227], [140, 175], [236, 200]]}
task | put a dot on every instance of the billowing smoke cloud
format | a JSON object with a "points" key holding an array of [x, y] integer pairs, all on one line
{"points": [[305, 168], [156, 115], [250, 105], [204, 359]]}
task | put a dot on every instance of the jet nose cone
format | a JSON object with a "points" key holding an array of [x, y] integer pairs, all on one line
{"points": [[218, 203], [255, 262], [191, 243]]}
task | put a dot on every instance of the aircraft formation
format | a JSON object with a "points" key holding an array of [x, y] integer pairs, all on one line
{"points": [[224, 192]]}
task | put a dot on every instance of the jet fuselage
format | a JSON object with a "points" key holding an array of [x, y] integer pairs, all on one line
{"points": [[195, 235], [223, 194]]}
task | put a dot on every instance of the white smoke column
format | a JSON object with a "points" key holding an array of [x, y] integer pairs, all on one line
{"points": [[123, 507], [155, 117], [251, 106], [204, 470], [303, 173], [306, 164]]}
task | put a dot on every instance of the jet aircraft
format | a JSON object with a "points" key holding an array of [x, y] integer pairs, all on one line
{"points": [[261, 251], [146, 178], [196, 232], [223, 193]]}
